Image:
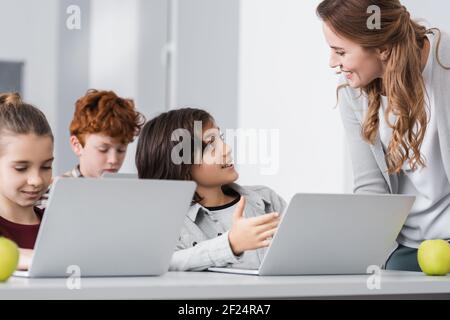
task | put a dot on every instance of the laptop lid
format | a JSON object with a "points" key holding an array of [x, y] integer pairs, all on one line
{"points": [[110, 175], [335, 233], [110, 227]]}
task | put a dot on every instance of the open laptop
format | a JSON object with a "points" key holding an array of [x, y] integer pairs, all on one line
{"points": [[110, 175], [110, 227], [333, 234]]}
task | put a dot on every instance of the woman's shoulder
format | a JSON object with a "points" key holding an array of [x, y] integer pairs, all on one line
{"points": [[351, 102], [346, 92]]}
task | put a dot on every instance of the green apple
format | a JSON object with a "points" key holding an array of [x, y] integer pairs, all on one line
{"points": [[9, 257], [434, 257]]}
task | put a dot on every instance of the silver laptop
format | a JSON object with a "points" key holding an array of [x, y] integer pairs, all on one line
{"points": [[110, 227], [120, 175], [333, 234]]}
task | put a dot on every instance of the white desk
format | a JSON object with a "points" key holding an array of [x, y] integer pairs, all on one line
{"points": [[206, 285]]}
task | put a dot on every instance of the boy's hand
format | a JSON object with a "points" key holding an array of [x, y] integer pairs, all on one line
{"points": [[251, 233]]}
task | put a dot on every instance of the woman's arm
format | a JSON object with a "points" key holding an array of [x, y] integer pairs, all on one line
{"points": [[367, 176]]}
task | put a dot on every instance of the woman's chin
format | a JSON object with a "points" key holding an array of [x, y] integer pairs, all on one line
{"points": [[354, 84]]}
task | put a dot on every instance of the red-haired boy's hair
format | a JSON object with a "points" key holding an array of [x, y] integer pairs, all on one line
{"points": [[106, 113]]}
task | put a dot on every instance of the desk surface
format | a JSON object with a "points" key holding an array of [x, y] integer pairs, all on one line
{"points": [[208, 285]]}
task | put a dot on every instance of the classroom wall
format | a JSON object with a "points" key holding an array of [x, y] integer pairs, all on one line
{"points": [[55, 61], [285, 83], [207, 58], [28, 33], [73, 64], [127, 43], [254, 64]]}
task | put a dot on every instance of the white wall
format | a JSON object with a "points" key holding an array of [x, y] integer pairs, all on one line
{"points": [[114, 42], [35, 33], [126, 43], [251, 68], [118, 47], [28, 31], [73, 77], [152, 39], [207, 58], [252, 63], [114, 54], [286, 84], [434, 13]]}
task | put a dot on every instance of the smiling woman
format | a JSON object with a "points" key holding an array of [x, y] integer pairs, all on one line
{"points": [[26, 156], [386, 61], [392, 97]]}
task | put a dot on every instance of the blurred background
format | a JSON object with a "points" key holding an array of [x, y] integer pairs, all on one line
{"points": [[254, 64]]}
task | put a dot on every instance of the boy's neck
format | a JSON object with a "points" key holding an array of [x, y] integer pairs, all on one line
{"points": [[16, 213], [213, 197]]}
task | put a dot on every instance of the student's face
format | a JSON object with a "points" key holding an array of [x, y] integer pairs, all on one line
{"points": [[216, 169], [359, 65], [100, 154], [25, 168]]}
